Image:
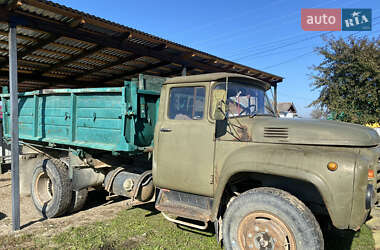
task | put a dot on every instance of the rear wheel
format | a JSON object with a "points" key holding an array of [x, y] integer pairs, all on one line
{"points": [[51, 188], [269, 218], [78, 200]]}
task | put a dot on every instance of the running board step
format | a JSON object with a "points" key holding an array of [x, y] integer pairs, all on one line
{"points": [[185, 223], [186, 205]]}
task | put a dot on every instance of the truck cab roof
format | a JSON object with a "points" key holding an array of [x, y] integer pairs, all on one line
{"points": [[214, 77]]}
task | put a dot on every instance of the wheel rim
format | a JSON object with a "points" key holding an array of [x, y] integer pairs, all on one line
{"points": [[264, 231], [44, 188]]}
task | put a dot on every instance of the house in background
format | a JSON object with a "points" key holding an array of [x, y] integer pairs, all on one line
{"points": [[287, 110]]}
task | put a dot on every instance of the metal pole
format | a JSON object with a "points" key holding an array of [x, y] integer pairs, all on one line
{"points": [[14, 126], [275, 99], [184, 71]]}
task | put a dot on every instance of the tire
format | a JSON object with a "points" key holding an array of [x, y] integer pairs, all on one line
{"points": [[78, 200], [51, 188], [269, 218]]}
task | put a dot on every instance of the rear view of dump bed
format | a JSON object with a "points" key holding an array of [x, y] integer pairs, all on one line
{"points": [[111, 118]]}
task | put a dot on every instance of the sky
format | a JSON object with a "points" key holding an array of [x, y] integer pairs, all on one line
{"points": [[264, 35]]}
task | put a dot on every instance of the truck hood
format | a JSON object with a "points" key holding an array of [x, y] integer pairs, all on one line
{"points": [[311, 132]]}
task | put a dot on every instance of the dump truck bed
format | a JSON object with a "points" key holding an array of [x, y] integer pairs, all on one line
{"points": [[111, 118]]}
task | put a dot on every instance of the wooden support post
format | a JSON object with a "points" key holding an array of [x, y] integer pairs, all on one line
{"points": [[184, 71], [14, 126], [275, 99]]}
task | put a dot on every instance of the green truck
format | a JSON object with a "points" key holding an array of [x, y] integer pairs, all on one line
{"points": [[208, 150]]}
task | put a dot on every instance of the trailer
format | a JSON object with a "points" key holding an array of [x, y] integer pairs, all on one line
{"points": [[119, 119], [75, 125]]}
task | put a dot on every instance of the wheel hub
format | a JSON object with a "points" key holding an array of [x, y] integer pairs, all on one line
{"points": [[262, 240], [264, 231], [44, 188]]}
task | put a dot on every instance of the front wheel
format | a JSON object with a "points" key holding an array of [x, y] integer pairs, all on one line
{"points": [[269, 218]]}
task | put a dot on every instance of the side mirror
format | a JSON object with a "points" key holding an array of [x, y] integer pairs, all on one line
{"points": [[218, 104]]}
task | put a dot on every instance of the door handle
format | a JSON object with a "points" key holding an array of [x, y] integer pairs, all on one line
{"points": [[165, 130]]}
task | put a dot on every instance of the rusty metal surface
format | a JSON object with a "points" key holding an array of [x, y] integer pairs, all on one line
{"points": [[173, 203], [110, 178], [264, 231]]}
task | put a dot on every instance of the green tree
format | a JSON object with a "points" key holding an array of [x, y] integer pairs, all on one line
{"points": [[348, 79], [318, 113]]}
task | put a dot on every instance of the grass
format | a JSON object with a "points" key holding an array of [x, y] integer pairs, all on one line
{"points": [[142, 228], [341, 240]]}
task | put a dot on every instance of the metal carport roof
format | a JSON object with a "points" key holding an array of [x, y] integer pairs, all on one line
{"points": [[59, 47]]}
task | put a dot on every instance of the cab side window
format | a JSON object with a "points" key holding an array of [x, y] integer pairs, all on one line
{"points": [[186, 103]]}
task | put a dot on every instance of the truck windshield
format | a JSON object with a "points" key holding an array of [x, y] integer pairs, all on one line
{"points": [[246, 100]]}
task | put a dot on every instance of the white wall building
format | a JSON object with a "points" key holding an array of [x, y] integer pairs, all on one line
{"points": [[287, 110]]}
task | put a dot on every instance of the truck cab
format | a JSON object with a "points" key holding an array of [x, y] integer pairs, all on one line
{"points": [[222, 155], [187, 129]]}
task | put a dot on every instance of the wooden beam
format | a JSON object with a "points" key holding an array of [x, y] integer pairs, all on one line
{"points": [[31, 49], [79, 41], [50, 52], [70, 60], [32, 63], [93, 61], [108, 65], [177, 72], [4, 13], [124, 35], [32, 39], [19, 46], [104, 55], [136, 71], [53, 60], [51, 80], [77, 22], [104, 41], [77, 50], [33, 84]]}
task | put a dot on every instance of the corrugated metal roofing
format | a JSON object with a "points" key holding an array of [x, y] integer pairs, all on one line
{"points": [[60, 46]]}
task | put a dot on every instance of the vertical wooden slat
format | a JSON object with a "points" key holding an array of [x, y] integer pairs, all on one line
{"points": [[73, 116], [131, 111], [35, 116], [275, 99]]}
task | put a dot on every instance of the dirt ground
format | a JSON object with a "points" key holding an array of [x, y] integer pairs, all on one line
{"points": [[97, 208]]}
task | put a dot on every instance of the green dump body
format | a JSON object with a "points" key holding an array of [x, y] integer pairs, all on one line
{"points": [[119, 119]]}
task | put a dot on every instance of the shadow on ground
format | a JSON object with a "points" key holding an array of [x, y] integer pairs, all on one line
{"points": [[97, 198], [334, 239], [32, 222], [148, 207], [2, 216], [339, 240], [5, 168]]}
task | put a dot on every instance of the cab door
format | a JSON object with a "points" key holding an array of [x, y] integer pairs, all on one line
{"points": [[185, 146]]}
